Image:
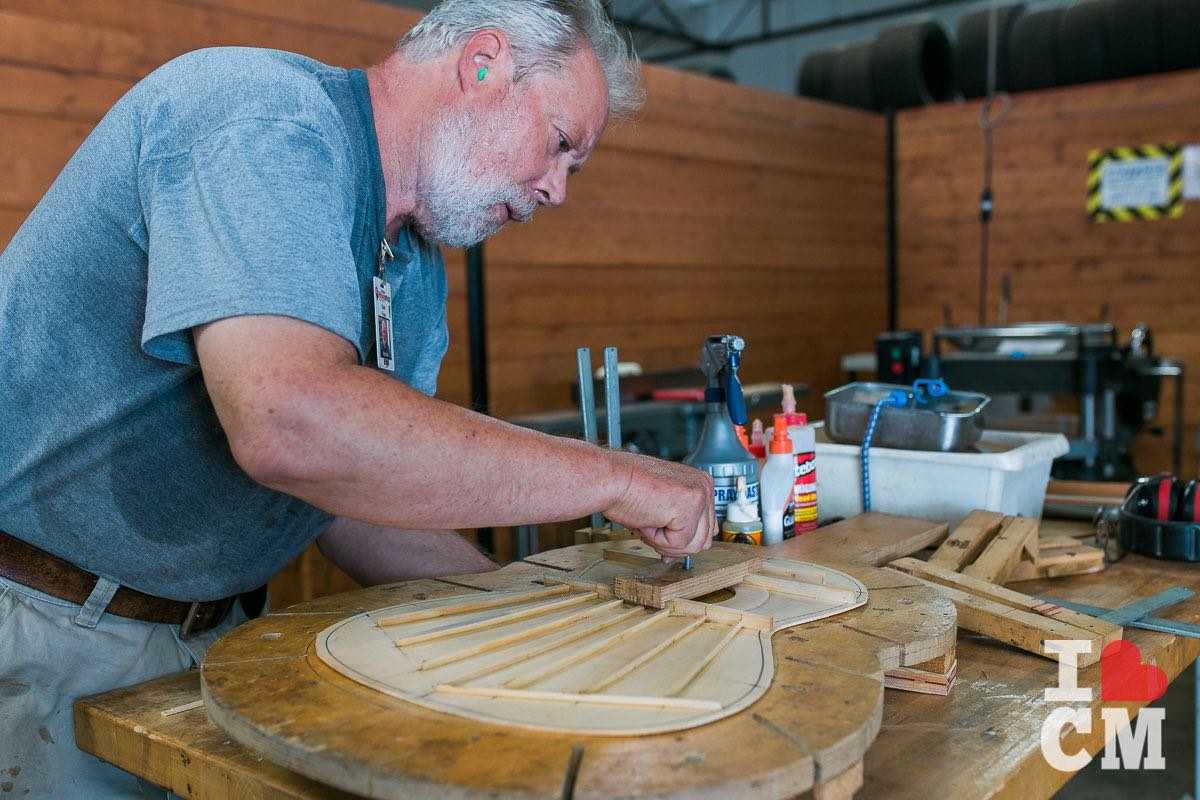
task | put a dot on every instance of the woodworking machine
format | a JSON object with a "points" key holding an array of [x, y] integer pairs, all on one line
{"points": [[1024, 368]]}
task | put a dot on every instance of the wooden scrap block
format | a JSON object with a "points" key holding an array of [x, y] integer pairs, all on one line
{"points": [[968, 540], [1059, 561], [921, 681], [656, 584], [1017, 536], [1009, 616], [940, 665]]}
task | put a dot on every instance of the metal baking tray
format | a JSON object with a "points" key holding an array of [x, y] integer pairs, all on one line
{"points": [[950, 423]]}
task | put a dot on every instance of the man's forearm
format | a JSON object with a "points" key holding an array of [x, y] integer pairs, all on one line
{"points": [[385, 453], [304, 418], [373, 555]]}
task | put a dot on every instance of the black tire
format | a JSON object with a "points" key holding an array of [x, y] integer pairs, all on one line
{"points": [[816, 74], [1033, 50], [971, 49], [1179, 33], [851, 81], [1083, 42], [912, 65], [1133, 38]]}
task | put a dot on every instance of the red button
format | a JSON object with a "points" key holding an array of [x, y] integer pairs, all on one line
{"points": [[897, 368]]}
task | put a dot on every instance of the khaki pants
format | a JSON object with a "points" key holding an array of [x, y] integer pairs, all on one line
{"points": [[52, 653]]}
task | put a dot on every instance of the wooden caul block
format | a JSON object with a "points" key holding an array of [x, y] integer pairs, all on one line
{"points": [[1058, 557], [1017, 536], [968, 540], [1012, 617], [656, 584]]}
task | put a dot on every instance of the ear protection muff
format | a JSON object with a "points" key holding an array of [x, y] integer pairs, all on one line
{"points": [[1189, 502], [1160, 518], [1155, 498]]}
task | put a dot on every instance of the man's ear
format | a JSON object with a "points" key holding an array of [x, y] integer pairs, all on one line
{"points": [[485, 65]]}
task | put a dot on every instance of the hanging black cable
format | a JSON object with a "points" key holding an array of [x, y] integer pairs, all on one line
{"points": [[988, 121]]}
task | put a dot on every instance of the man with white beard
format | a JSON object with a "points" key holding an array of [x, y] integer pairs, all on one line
{"points": [[223, 327]]}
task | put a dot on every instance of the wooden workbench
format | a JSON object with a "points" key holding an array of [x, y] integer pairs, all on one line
{"points": [[980, 741]]}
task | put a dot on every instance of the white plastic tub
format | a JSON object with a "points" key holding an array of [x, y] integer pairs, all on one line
{"points": [[1009, 475]]}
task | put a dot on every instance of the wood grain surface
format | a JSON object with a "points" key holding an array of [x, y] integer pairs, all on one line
{"points": [[304, 716], [981, 741], [782, 727]]}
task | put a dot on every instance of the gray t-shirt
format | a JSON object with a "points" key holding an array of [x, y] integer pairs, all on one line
{"points": [[230, 181]]}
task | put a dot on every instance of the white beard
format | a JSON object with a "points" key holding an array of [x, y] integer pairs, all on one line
{"points": [[458, 195]]}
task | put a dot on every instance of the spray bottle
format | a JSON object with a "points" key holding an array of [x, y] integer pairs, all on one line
{"points": [[779, 486], [804, 444], [719, 453], [742, 524]]}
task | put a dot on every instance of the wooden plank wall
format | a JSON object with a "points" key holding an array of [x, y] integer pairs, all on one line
{"points": [[1063, 266], [723, 208]]}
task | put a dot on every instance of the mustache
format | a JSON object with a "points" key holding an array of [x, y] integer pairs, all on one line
{"points": [[523, 206]]}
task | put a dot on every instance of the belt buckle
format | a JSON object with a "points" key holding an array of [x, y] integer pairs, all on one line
{"points": [[190, 620]]}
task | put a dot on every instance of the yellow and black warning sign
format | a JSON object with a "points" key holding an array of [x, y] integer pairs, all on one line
{"points": [[1133, 183]]}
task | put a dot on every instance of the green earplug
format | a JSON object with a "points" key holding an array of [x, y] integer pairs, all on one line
{"points": [[482, 72]]}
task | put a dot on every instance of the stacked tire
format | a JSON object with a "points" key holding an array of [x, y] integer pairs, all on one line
{"points": [[1036, 48], [905, 65]]}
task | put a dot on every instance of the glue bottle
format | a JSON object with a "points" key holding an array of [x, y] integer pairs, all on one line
{"points": [[778, 486], [804, 445], [758, 444], [742, 524]]}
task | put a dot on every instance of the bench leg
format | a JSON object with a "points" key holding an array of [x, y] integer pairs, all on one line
{"points": [[841, 787]]}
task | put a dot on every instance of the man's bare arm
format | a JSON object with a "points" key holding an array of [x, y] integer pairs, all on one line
{"points": [[373, 555], [304, 418]]}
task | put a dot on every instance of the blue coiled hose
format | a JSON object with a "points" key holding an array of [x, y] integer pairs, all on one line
{"points": [[922, 390]]}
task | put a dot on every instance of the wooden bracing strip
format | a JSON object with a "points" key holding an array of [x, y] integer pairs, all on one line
{"points": [[495, 622], [811, 591], [641, 701], [693, 673], [546, 647], [474, 605], [516, 636], [647, 655], [590, 650]]}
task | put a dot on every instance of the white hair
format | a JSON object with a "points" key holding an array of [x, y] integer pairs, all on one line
{"points": [[542, 35]]}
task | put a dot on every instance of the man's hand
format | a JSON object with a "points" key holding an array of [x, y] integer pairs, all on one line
{"points": [[669, 505]]}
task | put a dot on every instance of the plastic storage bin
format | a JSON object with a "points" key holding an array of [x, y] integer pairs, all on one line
{"points": [[1009, 473]]}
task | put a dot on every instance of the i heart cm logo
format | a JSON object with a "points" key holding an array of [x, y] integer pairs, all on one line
{"points": [[1124, 678]]}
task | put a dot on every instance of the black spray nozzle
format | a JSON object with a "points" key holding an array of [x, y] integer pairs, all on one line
{"points": [[719, 360]]}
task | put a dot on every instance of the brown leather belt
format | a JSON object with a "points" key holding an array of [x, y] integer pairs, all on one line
{"points": [[37, 569]]}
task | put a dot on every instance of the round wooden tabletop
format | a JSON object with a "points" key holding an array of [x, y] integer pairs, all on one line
{"points": [[265, 685]]}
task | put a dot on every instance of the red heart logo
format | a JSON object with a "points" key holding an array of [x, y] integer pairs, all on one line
{"points": [[1124, 678]]}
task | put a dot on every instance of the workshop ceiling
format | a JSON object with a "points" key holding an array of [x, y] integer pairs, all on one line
{"points": [[759, 42]]}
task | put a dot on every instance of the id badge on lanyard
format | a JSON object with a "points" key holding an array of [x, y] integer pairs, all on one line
{"points": [[385, 357]]}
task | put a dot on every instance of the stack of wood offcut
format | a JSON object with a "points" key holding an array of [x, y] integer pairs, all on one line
{"points": [[972, 566]]}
